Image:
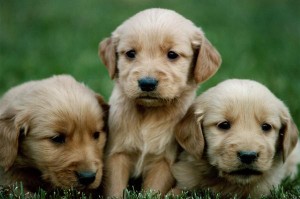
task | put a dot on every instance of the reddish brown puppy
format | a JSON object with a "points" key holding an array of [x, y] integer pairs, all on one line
{"points": [[52, 135]]}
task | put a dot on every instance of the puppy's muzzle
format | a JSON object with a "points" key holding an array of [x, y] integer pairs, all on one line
{"points": [[247, 157], [86, 177], [148, 84]]}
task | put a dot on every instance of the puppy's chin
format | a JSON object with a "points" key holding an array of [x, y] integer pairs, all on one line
{"points": [[150, 102], [242, 176]]}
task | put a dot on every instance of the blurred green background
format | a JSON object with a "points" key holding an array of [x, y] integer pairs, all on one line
{"points": [[258, 39]]}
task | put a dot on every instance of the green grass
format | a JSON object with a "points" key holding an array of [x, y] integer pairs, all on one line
{"points": [[287, 190], [258, 40], [17, 191]]}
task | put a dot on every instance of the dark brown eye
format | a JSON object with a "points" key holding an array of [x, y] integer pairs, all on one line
{"points": [[59, 139], [96, 135], [266, 127], [172, 55], [224, 125], [131, 54]]}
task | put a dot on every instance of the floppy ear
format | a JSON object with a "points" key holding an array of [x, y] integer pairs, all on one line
{"points": [[11, 128], [188, 133], [105, 108], [208, 59], [289, 137], [107, 53]]}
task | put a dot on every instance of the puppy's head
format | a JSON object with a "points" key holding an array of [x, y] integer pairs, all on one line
{"points": [[56, 128], [156, 55], [244, 129]]}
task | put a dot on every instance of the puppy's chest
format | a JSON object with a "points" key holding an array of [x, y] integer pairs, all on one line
{"points": [[149, 143], [144, 135], [147, 138]]}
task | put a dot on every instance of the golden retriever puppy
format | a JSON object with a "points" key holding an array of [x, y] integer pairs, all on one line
{"points": [[239, 139], [52, 135], [157, 59]]}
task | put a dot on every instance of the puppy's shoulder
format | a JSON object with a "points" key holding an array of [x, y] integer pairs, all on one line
{"points": [[189, 172]]}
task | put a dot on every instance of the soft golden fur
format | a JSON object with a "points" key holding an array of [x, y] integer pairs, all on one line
{"points": [[167, 48], [260, 124], [52, 134]]}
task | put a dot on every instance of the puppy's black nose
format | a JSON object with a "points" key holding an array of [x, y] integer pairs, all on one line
{"points": [[86, 177], [247, 157], [148, 84]]}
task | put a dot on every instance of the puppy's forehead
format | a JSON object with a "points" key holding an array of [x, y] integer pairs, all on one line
{"points": [[155, 25], [80, 110], [67, 103], [155, 19], [242, 98]]}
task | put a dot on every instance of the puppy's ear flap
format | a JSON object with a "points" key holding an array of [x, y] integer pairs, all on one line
{"points": [[188, 133], [207, 58], [289, 137], [105, 108], [12, 128], [108, 55]]}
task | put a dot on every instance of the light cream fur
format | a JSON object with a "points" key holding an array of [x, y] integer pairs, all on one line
{"points": [[210, 159], [32, 115], [141, 141]]}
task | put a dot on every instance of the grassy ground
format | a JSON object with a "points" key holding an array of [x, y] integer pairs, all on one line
{"points": [[258, 40]]}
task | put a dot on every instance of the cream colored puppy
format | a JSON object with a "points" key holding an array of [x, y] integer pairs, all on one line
{"points": [[157, 59], [52, 135], [239, 139]]}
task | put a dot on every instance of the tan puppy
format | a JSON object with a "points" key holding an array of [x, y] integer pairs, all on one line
{"points": [[52, 135], [157, 59], [239, 138]]}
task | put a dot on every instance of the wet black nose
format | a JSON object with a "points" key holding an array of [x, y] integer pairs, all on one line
{"points": [[86, 177], [148, 84], [247, 157]]}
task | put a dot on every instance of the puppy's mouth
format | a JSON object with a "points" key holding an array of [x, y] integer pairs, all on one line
{"points": [[245, 172], [148, 98], [150, 101]]}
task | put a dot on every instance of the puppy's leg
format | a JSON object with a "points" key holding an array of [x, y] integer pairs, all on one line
{"points": [[118, 167], [175, 191], [159, 177]]}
